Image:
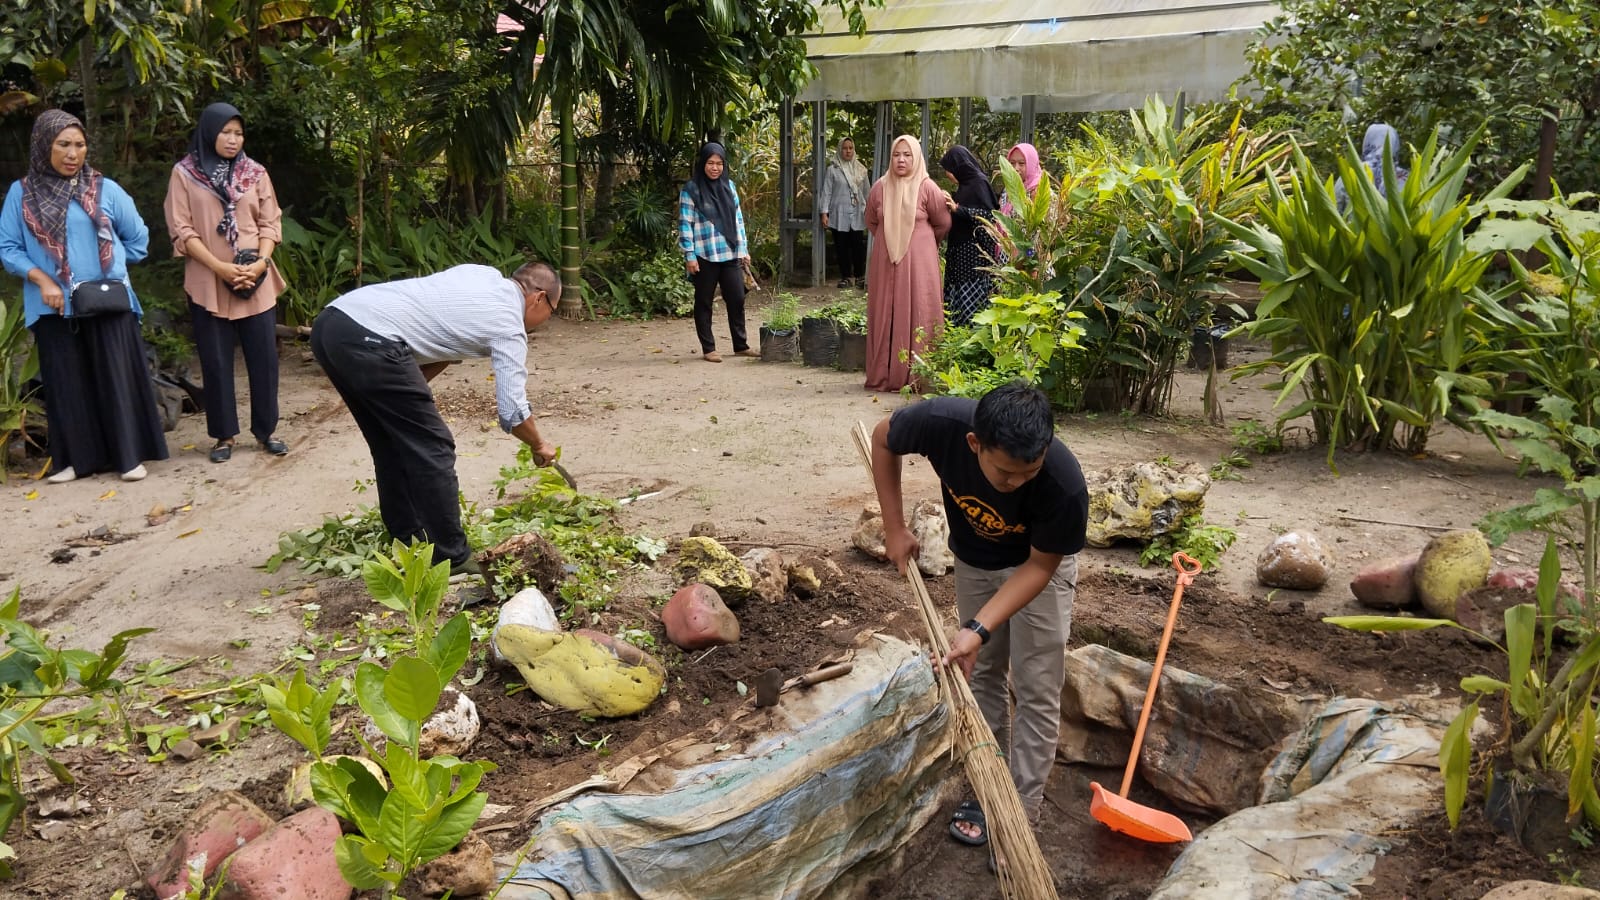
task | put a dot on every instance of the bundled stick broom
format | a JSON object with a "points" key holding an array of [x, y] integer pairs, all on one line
{"points": [[1020, 866]]}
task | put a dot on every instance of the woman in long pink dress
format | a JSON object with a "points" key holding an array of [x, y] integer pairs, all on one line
{"points": [[907, 217]]}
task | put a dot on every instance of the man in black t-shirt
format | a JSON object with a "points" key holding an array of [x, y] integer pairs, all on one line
{"points": [[1018, 511]]}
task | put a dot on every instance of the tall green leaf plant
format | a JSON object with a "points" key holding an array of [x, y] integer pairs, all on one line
{"points": [[1369, 313]]}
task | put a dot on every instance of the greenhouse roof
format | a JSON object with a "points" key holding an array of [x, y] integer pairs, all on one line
{"points": [[1109, 54]]}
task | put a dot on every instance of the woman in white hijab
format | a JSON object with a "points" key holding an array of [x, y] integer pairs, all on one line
{"points": [[843, 202], [907, 217]]}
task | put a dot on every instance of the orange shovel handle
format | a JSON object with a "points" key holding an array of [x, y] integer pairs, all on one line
{"points": [[1188, 567]]}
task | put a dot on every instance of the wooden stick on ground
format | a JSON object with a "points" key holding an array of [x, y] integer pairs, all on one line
{"points": [[1021, 868]]}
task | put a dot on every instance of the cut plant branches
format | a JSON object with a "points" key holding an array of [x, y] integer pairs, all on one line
{"points": [[1022, 870]]}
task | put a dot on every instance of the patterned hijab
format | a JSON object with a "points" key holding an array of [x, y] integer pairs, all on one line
{"points": [[713, 197], [46, 194], [229, 179], [1031, 172], [854, 172], [900, 198]]}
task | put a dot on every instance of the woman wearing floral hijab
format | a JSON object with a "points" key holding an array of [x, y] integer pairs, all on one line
{"points": [[62, 225], [711, 237], [224, 220], [907, 217], [843, 202]]}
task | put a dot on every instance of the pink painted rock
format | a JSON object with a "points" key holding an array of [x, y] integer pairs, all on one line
{"points": [[1387, 585], [222, 824], [696, 618], [294, 858]]}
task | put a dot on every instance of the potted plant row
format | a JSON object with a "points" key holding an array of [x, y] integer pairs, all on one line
{"points": [[780, 333]]}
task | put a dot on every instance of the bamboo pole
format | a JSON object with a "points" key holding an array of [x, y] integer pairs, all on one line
{"points": [[1020, 867]]}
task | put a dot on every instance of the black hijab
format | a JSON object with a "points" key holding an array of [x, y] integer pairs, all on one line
{"points": [[713, 197], [974, 189], [229, 179]]}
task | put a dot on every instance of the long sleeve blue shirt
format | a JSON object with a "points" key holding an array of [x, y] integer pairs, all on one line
{"points": [[21, 252]]}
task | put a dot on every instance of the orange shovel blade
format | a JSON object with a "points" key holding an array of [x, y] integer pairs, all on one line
{"points": [[1136, 820]]}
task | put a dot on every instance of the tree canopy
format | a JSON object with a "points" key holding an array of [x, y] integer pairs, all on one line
{"points": [[1459, 64]]}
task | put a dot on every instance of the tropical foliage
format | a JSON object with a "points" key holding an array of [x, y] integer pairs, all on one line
{"points": [[1527, 72], [1370, 315], [1107, 273]]}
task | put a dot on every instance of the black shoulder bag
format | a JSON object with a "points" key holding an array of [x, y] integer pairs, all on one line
{"points": [[98, 298]]}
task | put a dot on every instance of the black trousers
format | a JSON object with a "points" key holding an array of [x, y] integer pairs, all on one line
{"points": [[730, 276], [851, 248], [214, 340], [99, 404], [413, 451]]}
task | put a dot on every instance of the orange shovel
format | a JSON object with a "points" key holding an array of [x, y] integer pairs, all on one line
{"points": [[1116, 811]]}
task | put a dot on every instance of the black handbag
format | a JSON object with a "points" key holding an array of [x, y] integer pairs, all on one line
{"points": [[245, 258], [98, 298]]}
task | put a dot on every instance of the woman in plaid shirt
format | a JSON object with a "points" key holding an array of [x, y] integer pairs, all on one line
{"points": [[711, 236]]}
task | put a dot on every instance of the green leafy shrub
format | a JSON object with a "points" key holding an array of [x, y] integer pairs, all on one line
{"points": [[1548, 338], [32, 677], [430, 803], [1368, 314], [1106, 273], [1205, 543], [661, 287]]}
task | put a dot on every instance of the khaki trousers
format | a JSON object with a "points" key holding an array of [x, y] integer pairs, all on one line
{"points": [[1031, 650]]}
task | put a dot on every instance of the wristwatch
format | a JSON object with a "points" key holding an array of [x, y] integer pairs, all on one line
{"points": [[976, 627]]}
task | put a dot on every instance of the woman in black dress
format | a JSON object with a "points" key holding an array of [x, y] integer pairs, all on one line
{"points": [[970, 247]]}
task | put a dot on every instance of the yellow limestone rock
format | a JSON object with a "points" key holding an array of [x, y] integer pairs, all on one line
{"points": [[703, 560], [579, 673]]}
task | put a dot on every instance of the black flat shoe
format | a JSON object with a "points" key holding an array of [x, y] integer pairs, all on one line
{"points": [[222, 452], [274, 446]]}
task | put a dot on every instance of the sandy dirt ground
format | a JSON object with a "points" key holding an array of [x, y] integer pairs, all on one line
{"points": [[760, 449]]}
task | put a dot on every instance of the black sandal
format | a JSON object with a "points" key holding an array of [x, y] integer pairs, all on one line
{"points": [[971, 813], [222, 452]]}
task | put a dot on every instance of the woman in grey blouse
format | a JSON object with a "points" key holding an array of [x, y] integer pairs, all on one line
{"points": [[843, 201]]}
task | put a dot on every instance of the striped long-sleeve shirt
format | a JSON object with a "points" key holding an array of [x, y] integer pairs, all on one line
{"points": [[465, 312], [698, 237]]}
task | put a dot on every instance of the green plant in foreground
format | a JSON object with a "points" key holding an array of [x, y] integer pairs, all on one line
{"points": [[32, 676], [1206, 543], [1550, 716], [18, 364], [430, 803]]}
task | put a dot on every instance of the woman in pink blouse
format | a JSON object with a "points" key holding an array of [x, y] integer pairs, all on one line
{"points": [[224, 220]]}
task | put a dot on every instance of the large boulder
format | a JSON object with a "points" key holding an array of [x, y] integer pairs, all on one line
{"points": [[704, 560], [769, 575], [1452, 564], [584, 671], [1294, 560], [1387, 585], [696, 617], [1142, 501], [932, 531]]}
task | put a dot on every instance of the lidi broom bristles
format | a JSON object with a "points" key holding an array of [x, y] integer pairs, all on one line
{"points": [[1021, 868]]}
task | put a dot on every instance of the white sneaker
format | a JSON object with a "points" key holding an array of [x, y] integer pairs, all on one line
{"points": [[63, 476], [136, 473]]}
